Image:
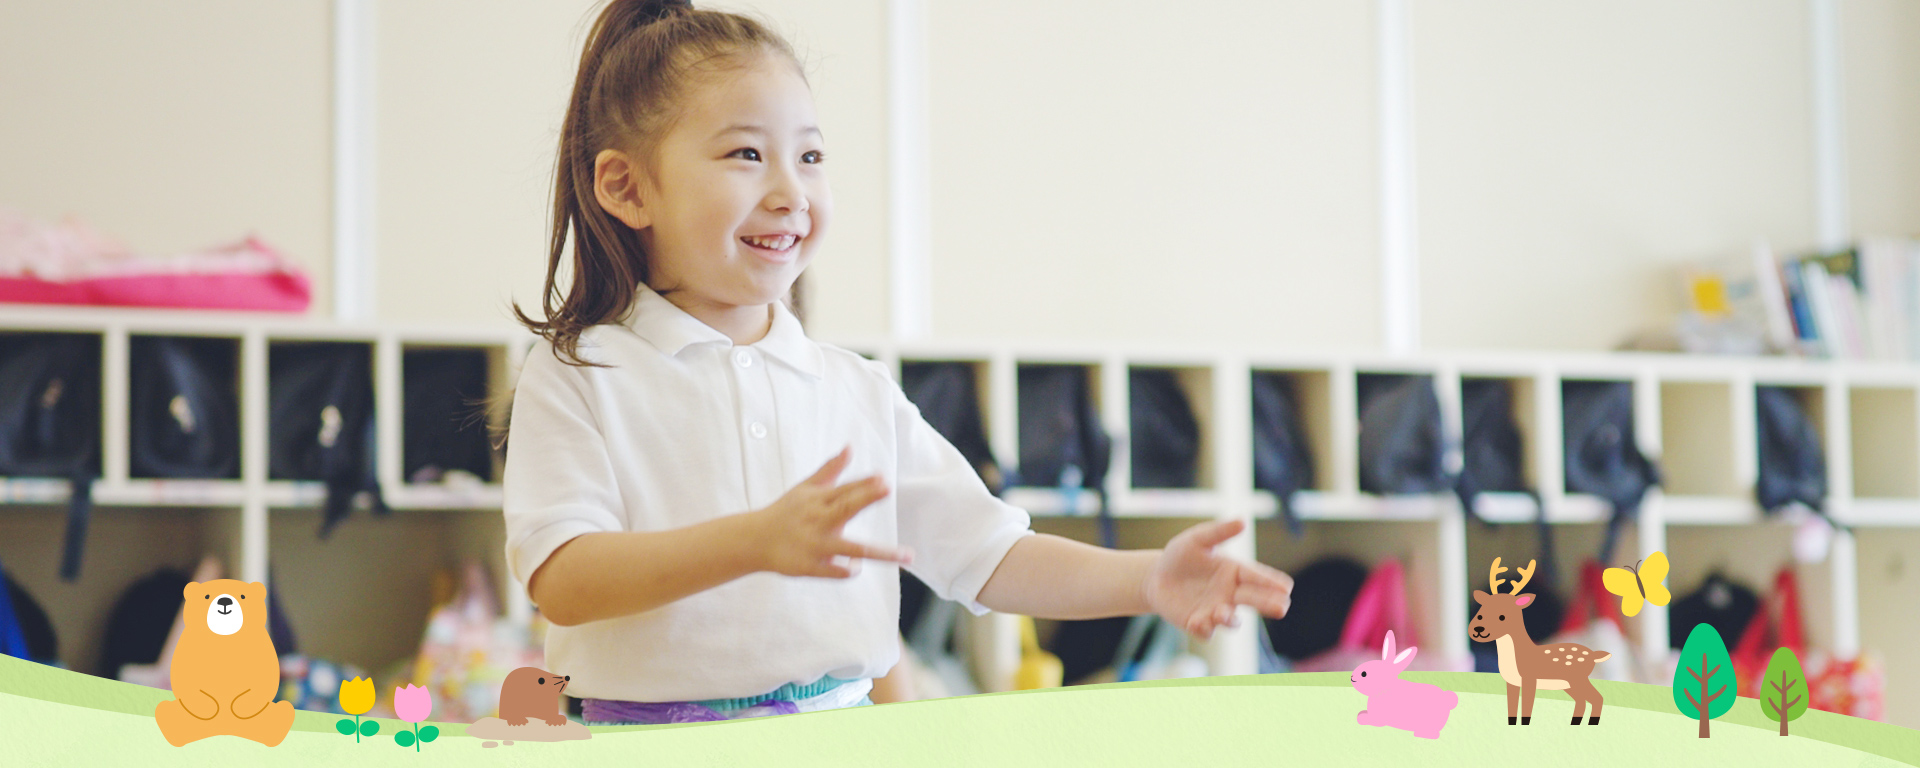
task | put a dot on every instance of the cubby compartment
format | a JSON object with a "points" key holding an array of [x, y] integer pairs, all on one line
{"points": [[1886, 442], [1369, 543], [1058, 408], [449, 413], [183, 407], [1503, 470], [1170, 428], [1306, 396], [320, 410], [1403, 451], [1697, 439], [1749, 556], [123, 546], [952, 395], [341, 595], [55, 380]]}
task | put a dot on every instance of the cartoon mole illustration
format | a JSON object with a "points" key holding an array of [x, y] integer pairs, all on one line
{"points": [[532, 692], [225, 671]]}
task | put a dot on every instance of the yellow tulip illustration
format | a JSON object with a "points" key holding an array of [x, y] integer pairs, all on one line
{"points": [[356, 697]]}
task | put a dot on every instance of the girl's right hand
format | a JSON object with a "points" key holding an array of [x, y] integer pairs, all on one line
{"points": [[800, 533]]}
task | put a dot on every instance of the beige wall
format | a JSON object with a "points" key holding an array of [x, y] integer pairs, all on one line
{"points": [[172, 131]]}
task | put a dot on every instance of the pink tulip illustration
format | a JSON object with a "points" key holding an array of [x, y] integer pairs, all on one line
{"points": [[412, 704]]}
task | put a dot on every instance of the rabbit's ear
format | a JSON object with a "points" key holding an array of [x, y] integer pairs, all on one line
{"points": [[1386, 649], [1406, 657]]}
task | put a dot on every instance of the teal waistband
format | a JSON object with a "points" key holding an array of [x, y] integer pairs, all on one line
{"points": [[788, 692]]}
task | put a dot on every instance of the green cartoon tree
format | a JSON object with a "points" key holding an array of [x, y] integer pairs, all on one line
{"points": [[1703, 682], [1783, 693]]}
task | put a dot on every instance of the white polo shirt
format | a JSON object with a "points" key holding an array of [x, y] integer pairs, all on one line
{"points": [[689, 426]]}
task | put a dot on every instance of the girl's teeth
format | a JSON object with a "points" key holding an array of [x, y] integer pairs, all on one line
{"points": [[778, 244]]}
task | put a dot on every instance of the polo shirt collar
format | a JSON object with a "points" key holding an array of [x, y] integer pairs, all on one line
{"points": [[671, 329]]}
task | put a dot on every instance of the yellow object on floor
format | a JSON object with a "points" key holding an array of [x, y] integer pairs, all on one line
{"points": [[1038, 669]]}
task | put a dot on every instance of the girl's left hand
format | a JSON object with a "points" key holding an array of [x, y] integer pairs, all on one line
{"points": [[1198, 590]]}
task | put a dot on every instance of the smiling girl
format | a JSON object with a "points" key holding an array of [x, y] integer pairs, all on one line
{"points": [[674, 502]]}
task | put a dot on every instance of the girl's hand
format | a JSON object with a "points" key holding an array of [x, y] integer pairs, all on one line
{"points": [[1197, 590], [800, 533]]}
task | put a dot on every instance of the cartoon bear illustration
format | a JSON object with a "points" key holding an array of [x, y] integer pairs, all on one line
{"points": [[225, 671]]}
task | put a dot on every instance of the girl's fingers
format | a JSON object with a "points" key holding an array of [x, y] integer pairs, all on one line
{"points": [[1208, 535], [902, 556], [831, 469], [1267, 601], [1268, 576], [857, 497]]}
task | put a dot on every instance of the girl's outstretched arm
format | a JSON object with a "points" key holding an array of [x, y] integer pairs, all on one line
{"points": [[1050, 577], [608, 574]]}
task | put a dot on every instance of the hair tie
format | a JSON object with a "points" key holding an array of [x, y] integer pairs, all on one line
{"points": [[662, 9]]}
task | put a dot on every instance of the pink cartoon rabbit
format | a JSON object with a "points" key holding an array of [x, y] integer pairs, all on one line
{"points": [[1404, 704]]}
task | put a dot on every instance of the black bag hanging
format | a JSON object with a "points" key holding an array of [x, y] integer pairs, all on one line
{"points": [[1165, 437], [1402, 443], [1491, 448], [1602, 457], [1087, 646], [1793, 464], [183, 408], [1323, 593], [50, 421], [1061, 436], [1282, 456], [948, 398], [1720, 602], [25, 631], [321, 422], [445, 424], [141, 619]]}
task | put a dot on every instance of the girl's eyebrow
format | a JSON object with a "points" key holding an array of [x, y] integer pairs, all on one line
{"points": [[743, 128]]}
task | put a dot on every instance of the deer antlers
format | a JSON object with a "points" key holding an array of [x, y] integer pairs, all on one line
{"points": [[1526, 575]]}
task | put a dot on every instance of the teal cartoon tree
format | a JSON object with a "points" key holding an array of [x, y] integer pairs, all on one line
{"points": [[1703, 682], [1783, 693]]}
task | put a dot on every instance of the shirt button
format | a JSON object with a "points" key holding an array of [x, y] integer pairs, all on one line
{"points": [[743, 359], [758, 429]]}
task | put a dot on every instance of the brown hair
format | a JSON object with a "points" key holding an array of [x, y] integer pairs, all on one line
{"points": [[641, 56]]}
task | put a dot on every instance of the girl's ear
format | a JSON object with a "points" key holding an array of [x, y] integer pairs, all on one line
{"points": [[616, 187]]}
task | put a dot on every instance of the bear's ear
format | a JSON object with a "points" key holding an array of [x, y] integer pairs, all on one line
{"points": [[187, 592]]}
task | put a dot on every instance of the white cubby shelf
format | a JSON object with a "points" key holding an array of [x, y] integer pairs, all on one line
{"points": [[1693, 415]]}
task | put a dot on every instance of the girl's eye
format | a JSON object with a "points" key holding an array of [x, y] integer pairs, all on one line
{"points": [[818, 156], [756, 153]]}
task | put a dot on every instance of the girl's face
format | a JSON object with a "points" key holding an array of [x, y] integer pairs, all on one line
{"points": [[742, 199]]}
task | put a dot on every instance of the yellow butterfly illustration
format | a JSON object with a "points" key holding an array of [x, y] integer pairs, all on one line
{"points": [[1639, 585]]}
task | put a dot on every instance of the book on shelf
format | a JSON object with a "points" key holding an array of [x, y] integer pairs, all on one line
{"points": [[1861, 302]]}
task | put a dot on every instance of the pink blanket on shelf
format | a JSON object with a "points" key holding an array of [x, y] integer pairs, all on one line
{"points": [[68, 263]]}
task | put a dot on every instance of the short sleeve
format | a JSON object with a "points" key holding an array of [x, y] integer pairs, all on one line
{"points": [[959, 531], [559, 482]]}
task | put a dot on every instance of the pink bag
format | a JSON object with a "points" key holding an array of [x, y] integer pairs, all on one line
{"points": [[1380, 606], [68, 263]]}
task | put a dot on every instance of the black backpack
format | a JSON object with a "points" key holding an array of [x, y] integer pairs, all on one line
{"points": [[1061, 435], [1491, 448], [1282, 456], [25, 631], [320, 422], [1793, 464], [1602, 457], [1402, 443], [445, 421], [1323, 593], [183, 409], [1165, 442], [1724, 604], [50, 421], [949, 401]]}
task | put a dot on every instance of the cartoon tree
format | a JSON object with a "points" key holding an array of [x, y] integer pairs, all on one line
{"points": [[1703, 683], [1783, 693]]}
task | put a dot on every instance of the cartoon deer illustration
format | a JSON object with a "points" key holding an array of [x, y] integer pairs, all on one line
{"points": [[1526, 666]]}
